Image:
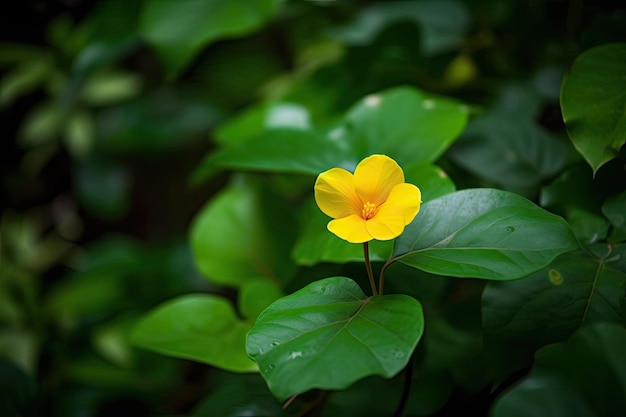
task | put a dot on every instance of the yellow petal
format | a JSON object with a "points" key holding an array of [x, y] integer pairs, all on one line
{"points": [[335, 194], [351, 228], [400, 209], [375, 177]]}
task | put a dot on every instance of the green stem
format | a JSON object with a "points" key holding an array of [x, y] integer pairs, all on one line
{"points": [[381, 278], [368, 266]]}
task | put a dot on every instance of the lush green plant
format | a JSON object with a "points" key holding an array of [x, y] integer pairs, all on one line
{"points": [[505, 294]]}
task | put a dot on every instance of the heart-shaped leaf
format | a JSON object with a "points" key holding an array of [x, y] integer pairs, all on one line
{"points": [[403, 123], [550, 305], [330, 334], [593, 97], [582, 377], [483, 233], [512, 151], [247, 213], [204, 328]]}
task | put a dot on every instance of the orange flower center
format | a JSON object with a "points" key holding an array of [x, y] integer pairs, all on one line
{"points": [[369, 210]]}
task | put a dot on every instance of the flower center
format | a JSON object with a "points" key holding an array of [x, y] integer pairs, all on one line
{"points": [[369, 209]]}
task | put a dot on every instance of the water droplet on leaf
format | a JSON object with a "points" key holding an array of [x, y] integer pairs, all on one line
{"points": [[398, 354]]}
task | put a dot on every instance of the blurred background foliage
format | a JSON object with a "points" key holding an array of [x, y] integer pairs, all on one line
{"points": [[108, 109]]}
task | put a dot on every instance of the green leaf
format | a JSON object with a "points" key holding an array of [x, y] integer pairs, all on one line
{"points": [[234, 236], [316, 244], [79, 134], [550, 305], [329, 335], [237, 395], [24, 79], [286, 150], [614, 209], [585, 376], [110, 87], [593, 97], [154, 123], [254, 121], [577, 195], [442, 23], [403, 123], [432, 181], [483, 233], [511, 151], [255, 296], [42, 124], [203, 328], [542, 395], [178, 30]]}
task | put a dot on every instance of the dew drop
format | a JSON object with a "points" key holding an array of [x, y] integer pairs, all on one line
{"points": [[398, 354], [275, 343], [294, 355], [510, 229]]}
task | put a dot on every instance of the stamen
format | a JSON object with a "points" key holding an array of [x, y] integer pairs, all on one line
{"points": [[369, 209]]}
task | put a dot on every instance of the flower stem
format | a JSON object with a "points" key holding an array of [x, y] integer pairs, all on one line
{"points": [[381, 278], [368, 266]]}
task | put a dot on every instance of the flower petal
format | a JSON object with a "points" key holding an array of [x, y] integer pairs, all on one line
{"points": [[351, 228], [335, 194], [375, 177], [400, 209]]}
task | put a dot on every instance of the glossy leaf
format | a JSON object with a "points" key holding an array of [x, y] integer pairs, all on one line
{"points": [[584, 376], [577, 195], [442, 23], [614, 209], [511, 151], [316, 244], [432, 181], [593, 96], [279, 150], [545, 395], [179, 29], [330, 334], [204, 328], [233, 237], [403, 123], [255, 296], [254, 121], [550, 305], [483, 233]]}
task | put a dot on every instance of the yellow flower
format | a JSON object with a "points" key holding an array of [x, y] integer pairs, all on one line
{"points": [[374, 203]]}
